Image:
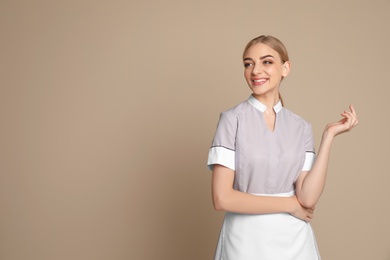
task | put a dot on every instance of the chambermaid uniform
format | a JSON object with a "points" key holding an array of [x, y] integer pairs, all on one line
{"points": [[266, 163]]}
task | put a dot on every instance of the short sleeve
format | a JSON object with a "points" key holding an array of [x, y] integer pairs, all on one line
{"points": [[223, 147], [310, 155]]}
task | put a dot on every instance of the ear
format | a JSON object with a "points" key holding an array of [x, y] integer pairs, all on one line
{"points": [[286, 69]]}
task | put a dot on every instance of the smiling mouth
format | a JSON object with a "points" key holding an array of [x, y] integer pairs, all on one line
{"points": [[259, 81]]}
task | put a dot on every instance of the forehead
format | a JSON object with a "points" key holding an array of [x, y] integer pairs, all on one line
{"points": [[259, 50]]}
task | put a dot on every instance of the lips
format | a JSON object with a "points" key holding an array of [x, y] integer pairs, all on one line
{"points": [[259, 81]]}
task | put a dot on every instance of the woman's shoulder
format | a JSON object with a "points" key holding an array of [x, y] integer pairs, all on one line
{"points": [[236, 110]]}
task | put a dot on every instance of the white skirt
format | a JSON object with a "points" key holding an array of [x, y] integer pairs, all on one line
{"points": [[266, 237]]}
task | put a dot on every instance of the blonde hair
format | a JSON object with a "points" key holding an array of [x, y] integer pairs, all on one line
{"points": [[275, 44]]}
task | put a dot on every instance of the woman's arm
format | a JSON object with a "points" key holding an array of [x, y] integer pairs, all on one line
{"points": [[309, 185], [225, 198]]}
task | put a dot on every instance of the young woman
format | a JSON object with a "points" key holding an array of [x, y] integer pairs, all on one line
{"points": [[265, 173]]}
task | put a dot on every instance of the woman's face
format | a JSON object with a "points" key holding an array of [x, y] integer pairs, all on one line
{"points": [[264, 70]]}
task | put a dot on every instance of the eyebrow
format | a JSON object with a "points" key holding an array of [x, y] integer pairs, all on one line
{"points": [[261, 58]]}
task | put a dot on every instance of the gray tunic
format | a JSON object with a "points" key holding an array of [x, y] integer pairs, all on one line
{"points": [[265, 161]]}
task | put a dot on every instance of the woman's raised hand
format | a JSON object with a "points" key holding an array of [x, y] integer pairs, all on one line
{"points": [[348, 122]]}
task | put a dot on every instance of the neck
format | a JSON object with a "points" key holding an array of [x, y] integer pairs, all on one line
{"points": [[268, 101]]}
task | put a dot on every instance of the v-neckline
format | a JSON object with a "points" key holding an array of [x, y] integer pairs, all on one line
{"points": [[262, 108], [271, 130]]}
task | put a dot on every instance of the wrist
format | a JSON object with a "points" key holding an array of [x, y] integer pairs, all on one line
{"points": [[291, 204], [328, 136]]}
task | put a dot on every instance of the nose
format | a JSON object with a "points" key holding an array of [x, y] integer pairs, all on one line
{"points": [[257, 69]]}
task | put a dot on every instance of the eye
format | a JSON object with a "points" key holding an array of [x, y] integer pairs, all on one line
{"points": [[267, 62], [246, 65]]}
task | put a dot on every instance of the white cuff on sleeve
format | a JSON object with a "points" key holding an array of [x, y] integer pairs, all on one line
{"points": [[221, 155], [309, 161]]}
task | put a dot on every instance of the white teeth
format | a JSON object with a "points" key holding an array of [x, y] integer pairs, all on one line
{"points": [[259, 80]]}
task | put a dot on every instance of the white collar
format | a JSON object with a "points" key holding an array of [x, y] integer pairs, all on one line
{"points": [[260, 106]]}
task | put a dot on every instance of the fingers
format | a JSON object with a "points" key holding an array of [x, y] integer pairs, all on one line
{"points": [[352, 109], [300, 212], [309, 216], [354, 114], [351, 117]]}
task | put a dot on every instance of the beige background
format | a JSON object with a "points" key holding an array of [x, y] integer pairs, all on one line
{"points": [[108, 109]]}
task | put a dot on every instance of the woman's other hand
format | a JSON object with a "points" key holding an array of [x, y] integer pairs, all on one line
{"points": [[298, 211]]}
